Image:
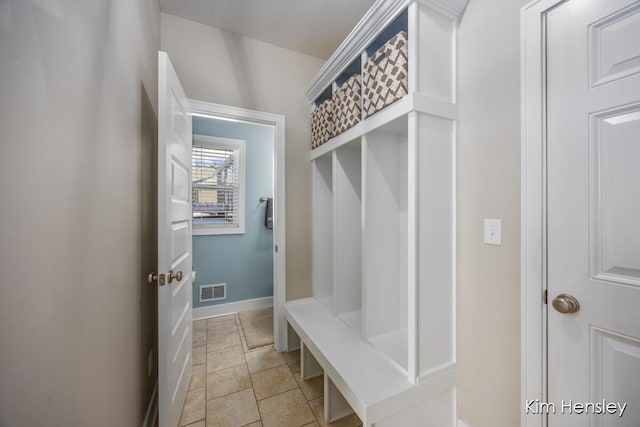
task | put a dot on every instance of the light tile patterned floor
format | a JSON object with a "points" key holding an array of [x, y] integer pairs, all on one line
{"points": [[233, 386]]}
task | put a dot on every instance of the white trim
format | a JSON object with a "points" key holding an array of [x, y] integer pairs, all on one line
{"points": [[221, 231], [378, 17], [533, 207], [462, 423], [279, 240], [452, 9], [234, 144], [200, 313], [152, 409], [235, 113], [413, 318]]}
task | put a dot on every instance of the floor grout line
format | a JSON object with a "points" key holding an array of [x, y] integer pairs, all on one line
{"points": [[244, 356], [245, 350]]}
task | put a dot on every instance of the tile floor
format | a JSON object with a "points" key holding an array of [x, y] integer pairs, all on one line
{"points": [[234, 386]]}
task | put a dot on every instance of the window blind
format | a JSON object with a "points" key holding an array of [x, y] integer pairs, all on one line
{"points": [[215, 186]]}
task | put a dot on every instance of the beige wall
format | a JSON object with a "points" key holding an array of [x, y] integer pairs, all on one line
{"points": [[489, 187], [217, 66], [78, 90]]}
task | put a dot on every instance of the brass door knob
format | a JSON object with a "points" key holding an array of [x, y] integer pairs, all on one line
{"points": [[177, 276], [152, 277], [565, 303]]}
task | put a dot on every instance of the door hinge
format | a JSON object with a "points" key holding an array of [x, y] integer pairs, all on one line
{"points": [[276, 248], [544, 296]]}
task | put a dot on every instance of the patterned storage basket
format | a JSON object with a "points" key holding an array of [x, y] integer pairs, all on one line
{"points": [[322, 123], [385, 74], [346, 102]]}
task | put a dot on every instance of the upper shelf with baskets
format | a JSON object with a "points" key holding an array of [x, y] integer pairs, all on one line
{"points": [[399, 49]]}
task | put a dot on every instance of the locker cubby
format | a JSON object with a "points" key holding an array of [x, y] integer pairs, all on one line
{"points": [[323, 233], [386, 239], [347, 181]]}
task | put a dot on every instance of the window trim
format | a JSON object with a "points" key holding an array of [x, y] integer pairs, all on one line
{"points": [[218, 142]]}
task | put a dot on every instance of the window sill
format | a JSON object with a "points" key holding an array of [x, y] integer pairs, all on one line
{"points": [[206, 231]]}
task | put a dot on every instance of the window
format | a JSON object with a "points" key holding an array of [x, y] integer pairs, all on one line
{"points": [[217, 176]]}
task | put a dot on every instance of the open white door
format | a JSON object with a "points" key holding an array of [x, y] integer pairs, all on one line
{"points": [[593, 176], [174, 244]]}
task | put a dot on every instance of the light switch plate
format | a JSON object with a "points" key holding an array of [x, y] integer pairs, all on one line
{"points": [[493, 231]]}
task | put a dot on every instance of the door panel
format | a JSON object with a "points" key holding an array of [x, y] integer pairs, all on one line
{"points": [[615, 373], [174, 244], [613, 56], [615, 211], [593, 208]]}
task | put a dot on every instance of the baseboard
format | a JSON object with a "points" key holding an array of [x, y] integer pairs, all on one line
{"points": [[152, 409], [462, 423], [230, 308]]}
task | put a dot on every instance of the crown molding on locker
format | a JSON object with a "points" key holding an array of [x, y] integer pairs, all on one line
{"points": [[381, 14]]}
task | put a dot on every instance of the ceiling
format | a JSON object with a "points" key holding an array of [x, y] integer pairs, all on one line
{"points": [[313, 27]]}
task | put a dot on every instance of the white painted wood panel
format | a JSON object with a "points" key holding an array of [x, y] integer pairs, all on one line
{"points": [[347, 183], [615, 211], [436, 290], [405, 323], [612, 57], [615, 374], [323, 246], [373, 385], [533, 205], [174, 243], [336, 406], [395, 344], [354, 319], [435, 36], [438, 411], [309, 366], [385, 238], [593, 211]]}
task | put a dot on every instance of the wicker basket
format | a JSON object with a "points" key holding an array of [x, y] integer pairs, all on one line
{"points": [[384, 76], [346, 100], [322, 128]]}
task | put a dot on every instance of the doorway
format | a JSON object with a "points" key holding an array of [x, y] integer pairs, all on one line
{"points": [[581, 234], [248, 262]]}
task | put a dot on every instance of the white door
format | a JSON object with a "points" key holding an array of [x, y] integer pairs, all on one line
{"points": [[593, 188], [174, 244]]}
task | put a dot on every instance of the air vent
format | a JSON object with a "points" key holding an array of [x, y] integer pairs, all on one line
{"points": [[213, 292]]}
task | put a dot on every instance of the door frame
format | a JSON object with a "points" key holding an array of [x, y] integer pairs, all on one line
{"points": [[279, 240], [533, 261]]}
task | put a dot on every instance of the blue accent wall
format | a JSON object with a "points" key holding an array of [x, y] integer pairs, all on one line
{"points": [[243, 261]]}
